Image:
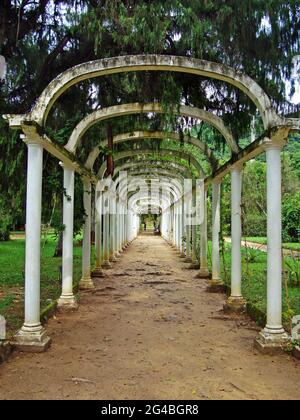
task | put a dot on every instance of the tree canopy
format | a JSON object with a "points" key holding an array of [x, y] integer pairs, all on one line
{"points": [[40, 39]]}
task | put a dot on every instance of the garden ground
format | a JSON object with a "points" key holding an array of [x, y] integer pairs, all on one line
{"points": [[12, 256], [150, 330]]}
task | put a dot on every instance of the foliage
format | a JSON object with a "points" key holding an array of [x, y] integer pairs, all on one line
{"points": [[251, 255], [291, 217], [5, 221], [12, 257], [293, 272], [40, 39]]}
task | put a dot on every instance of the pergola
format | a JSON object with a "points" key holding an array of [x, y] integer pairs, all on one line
{"points": [[117, 218]]}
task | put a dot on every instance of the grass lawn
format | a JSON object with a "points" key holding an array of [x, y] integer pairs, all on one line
{"points": [[261, 240], [12, 255], [254, 283]]}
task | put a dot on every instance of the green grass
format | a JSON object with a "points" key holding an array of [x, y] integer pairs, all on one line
{"points": [[262, 240], [12, 256], [254, 283]]}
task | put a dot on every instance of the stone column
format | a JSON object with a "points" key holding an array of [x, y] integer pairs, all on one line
{"points": [[106, 232], [183, 228], [188, 258], [98, 272], [86, 281], [112, 257], [177, 228], [33, 337], [117, 228], [204, 272], [67, 300], [236, 303], [174, 227], [188, 233], [216, 283], [120, 230], [195, 264], [273, 337]]}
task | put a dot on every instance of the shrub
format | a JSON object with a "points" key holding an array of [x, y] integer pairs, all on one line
{"points": [[5, 223], [291, 217]]}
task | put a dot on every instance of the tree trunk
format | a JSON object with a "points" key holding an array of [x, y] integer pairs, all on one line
{"points": [[59, 246]]}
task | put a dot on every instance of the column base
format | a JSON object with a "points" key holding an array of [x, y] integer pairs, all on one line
{"points": [[113, 259], [106, 265], [194, 266], [86, 284], [235, 305], [188, 260], [67, 303], [271, 343], [203, 273], [182, 255], [97, 272], [31, 339], [215, 286], [296, 352], [118, 255]]}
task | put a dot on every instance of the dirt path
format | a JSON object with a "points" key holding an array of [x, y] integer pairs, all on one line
{"points": [[150, 331], [264, 248]]}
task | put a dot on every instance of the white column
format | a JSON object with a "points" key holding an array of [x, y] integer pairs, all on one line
{"points": [[32, 336], [112, 257], [106, 248], [204, 272], [188, 244], [120, 229], [195, 263], [98, 272], [188, 231], [183, 227], [273, 337], [176, 226], [120, 232], [67, 299], [86, 281], [236, 303], [117, 225], [216, 282]]}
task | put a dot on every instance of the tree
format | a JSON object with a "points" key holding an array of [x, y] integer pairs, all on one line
{"points": [[40, 39]]}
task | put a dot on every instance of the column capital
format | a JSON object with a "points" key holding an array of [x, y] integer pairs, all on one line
{"points": [[66, 166], [216, 181], [274, 143], [238, 166], [31, 141]]}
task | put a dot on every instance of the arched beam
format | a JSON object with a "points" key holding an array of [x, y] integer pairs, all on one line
{"points": [[158, 203], [157, 135], [130, 109], [116, 65], [162, 152], [154, 165], [163, 188], [129, 188]]}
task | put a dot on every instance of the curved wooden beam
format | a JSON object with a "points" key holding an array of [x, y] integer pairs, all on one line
{"points": [[129, 109], [157, 135], [117, 65], [162, 152]]}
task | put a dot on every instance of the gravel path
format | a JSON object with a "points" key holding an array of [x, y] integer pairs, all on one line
{"points": [[150, 331]]}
